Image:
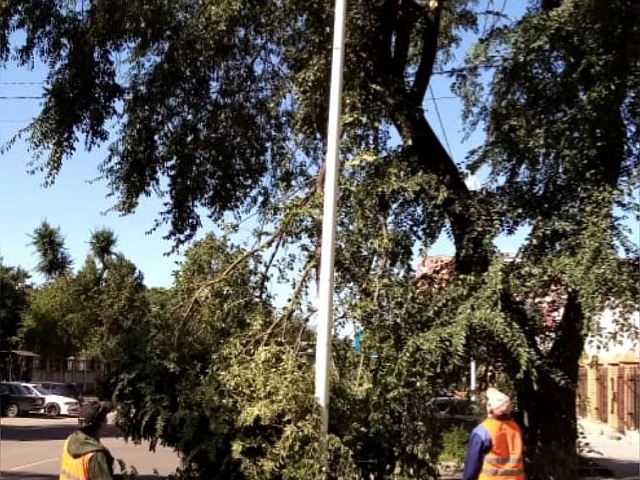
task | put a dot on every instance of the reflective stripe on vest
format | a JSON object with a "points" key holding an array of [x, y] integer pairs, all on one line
{"points": [[74, 468], [504, 460]]}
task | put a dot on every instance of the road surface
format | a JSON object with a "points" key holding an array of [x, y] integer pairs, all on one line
{"points": [[31, 447]]}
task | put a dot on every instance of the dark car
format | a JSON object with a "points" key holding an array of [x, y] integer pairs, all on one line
{"points": [[63, 389], [16, 400]]}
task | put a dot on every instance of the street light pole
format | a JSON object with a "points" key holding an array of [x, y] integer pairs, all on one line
{"points": [[325, 295]]}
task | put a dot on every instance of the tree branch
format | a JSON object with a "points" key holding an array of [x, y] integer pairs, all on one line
{"points": [[430, 32], [293, 300], [383, 51], [406, 19], [273, 238], [569, 343], [463, 213]]}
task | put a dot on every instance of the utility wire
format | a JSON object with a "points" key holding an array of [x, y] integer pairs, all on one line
{"points": [[444, 132], [21, 97], [22, 83], [41, 97], [486, 16]]}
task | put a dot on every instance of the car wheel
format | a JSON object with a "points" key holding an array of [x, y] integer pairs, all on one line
{"points": [[11, 410], [52, 410]]}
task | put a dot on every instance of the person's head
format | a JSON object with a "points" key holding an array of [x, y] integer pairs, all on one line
{"points": [[498, 404], [93, 417]]}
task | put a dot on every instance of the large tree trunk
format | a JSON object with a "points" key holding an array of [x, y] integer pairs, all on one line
{"points": [[549, 403]]}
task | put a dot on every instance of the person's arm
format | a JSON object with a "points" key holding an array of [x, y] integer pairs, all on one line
{"points": [[479, 445], [100, 466]]}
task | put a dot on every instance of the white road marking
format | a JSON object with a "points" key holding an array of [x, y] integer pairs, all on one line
{"points": [[32, 464]]}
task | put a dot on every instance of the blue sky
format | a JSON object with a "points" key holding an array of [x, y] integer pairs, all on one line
{"points": [[78, 207]]}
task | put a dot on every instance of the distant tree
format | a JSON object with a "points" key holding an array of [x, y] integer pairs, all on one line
{"points": [[54, 260], [54, 323], [80, 312], [103, 243], [14, 297], [122, 300]]}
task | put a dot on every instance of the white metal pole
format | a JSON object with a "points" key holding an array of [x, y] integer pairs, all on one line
{"points": [[325, 296], [473, 379]]}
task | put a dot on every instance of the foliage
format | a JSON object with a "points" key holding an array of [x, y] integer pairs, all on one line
{"points": [[203, 376], [561, 124], [14, 297], [49, 244], [56, 321], [102, 242], [454, 445], [220, 108], [79, 312]]}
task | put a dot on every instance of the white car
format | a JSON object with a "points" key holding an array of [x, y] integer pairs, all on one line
{"points": [[54, 405]]}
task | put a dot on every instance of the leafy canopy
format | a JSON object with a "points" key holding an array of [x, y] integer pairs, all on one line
{"points": [[220, 108]]}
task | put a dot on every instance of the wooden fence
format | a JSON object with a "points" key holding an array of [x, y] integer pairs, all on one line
{"points": [[613, 397]]}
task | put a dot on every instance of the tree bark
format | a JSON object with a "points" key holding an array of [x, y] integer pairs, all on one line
{"points": [[468, 225], [549, 404]]}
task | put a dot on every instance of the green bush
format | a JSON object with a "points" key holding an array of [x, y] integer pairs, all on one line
{"points": [[454, 444]]}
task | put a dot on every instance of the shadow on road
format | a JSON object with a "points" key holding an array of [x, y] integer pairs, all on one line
{"points": [[24, 475], [604, 467], [620, 468], [34, 433]]}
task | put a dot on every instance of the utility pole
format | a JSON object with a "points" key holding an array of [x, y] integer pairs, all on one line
{"points": [[325, 296], [473, 380]]}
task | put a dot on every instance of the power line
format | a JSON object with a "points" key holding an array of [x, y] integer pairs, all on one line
{"points": [[22, 83], [486, 16], [21, 97], [444, 132], [42, 97]]}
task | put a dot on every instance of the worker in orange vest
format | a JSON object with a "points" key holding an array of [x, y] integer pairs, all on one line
{"points": [[495, 448], [83, 456]]}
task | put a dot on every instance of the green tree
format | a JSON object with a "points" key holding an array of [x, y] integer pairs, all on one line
{"points": [[227, 102], [561, 114], [202, 375], [54, 321], [80, 312], [53, 259], [14, 297], [103, 242]]}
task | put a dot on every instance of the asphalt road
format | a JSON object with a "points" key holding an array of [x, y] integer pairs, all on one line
{"points": [[31, 447]]}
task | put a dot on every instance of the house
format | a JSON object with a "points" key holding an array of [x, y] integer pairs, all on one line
{"points": [[609, 381]]}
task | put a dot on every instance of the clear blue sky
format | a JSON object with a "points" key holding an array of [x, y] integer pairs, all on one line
{"points": [[77, 206]]}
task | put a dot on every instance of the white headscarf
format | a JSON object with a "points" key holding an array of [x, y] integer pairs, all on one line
{"points": [[498, 402]]}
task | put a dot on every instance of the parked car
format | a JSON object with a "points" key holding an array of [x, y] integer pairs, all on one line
{"points": [[63, 389], [54, 405], [17, 400]]}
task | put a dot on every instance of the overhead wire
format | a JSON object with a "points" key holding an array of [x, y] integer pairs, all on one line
{"points": [[444, 132]]}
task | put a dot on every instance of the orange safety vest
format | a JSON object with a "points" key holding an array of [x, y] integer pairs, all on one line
{"points": [[504, 460], [74, 468]]}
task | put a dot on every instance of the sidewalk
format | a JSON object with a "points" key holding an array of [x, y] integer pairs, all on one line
{"points": [[620, 456]]}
